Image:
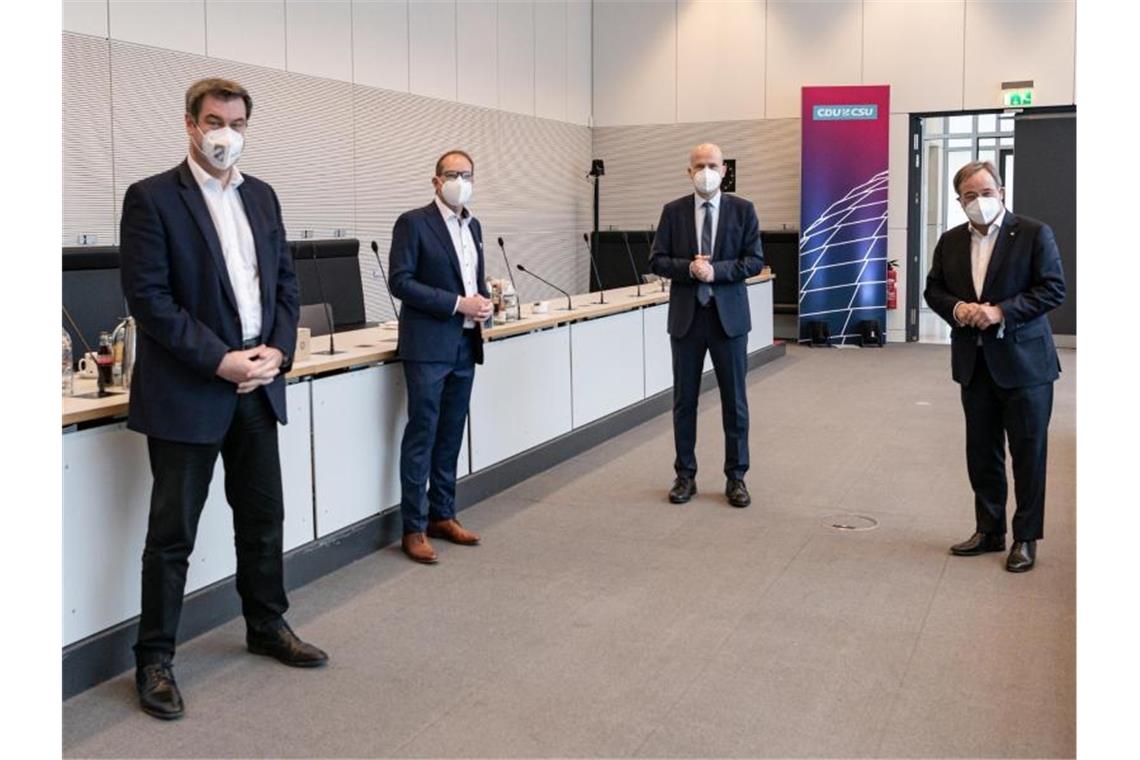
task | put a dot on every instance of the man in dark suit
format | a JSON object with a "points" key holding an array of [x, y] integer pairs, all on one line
{"points": [[436, 266], [994, 279], [209, 281], [708, 244]]}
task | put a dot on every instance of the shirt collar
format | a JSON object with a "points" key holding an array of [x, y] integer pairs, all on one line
{"points": [[448, 214], [206, 181], [715, 200], [995, 225]]}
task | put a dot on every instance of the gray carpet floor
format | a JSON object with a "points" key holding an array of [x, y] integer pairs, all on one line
{"points": [[597, 619]]}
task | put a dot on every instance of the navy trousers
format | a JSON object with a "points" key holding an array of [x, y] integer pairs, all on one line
{"points": [[439, 394], [730, 362], [994, 414]]}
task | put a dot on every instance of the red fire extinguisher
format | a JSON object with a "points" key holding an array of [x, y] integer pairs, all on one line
{"points": [[893, 284]]}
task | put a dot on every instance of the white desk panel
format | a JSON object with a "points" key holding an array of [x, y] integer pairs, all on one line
{"points": [[358, 421], [106, 501], [760, 304], [607, 364], [295, 445], [522, 395], [658, 352]]}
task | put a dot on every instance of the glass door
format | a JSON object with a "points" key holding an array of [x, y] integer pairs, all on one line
{"points": [[948, 143]]}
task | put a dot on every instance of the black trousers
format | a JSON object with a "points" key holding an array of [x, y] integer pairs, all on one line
{"points": [[994, 414], [182, 474], [730, 362]]}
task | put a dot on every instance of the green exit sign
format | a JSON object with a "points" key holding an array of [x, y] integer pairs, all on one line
{"points": [[1017, 94]]}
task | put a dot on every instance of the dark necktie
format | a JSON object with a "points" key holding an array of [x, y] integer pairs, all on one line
{"points": [[704, 290]]}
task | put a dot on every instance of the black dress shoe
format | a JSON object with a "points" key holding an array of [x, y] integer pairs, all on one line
{"points": [[979, 543], [684, 488], [737, 493], [285, 646], [1022, 556], [158, 693]]}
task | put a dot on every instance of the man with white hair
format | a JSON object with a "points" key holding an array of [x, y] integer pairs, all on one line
{"points": [[708, 244]]}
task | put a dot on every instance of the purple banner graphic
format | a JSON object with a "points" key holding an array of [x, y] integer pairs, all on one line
{"points": [[843, 209]]}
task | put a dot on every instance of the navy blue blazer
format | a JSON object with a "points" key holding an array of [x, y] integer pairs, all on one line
{"points": [[424, 273], [178, 290], [737, 255], [1025, 279]]}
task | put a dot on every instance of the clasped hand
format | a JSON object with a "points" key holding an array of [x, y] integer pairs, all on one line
{"points": [[251, 368], [476, 307], [701, 268], [979, 315]]}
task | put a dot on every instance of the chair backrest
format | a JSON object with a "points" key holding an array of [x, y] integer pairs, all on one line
{"points": [[338, 281], [92, 292], [318, 318]]}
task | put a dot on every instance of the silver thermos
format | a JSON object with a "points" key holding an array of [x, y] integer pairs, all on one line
{"points": [[123, 340]]}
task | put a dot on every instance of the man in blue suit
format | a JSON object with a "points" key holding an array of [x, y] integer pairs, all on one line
{"points": [[994, 280], [708, 244], [210, 283], [436, 266]]}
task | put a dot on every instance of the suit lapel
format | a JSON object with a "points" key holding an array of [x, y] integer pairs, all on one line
{"points": [[435, 221], [690, 225], [721, 219], [965, 261], [266, 266], [192, 197], [1006, 235]]}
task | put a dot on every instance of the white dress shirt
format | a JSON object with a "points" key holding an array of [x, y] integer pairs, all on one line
{"points": [[981, 251], [459, 227], [700, 219], [238, 249]]}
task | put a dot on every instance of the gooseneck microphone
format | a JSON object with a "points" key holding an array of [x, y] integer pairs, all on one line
{"points": [[391, 300], [569, 304], [324, 302], [632, 265], [649, 238], [518, 294], [594, 265]]}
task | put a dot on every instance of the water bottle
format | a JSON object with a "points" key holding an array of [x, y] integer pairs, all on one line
{"points": [[510, 303], [68, 366]]}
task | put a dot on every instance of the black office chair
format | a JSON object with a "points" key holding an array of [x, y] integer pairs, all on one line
{"points": [[318, 318]]}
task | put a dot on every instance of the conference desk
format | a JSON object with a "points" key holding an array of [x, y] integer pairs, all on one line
{"points": [[544, 376]]}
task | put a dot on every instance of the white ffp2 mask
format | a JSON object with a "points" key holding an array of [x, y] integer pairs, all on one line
{"points": [[457, 192], [707, 181], [983, 209], [222, 147]]}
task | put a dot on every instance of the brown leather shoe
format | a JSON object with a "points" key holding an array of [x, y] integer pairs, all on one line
{"points": [[452, 531], [416, 546]]}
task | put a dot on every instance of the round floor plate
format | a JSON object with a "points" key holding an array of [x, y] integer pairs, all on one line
{"points": [[849, 522]]}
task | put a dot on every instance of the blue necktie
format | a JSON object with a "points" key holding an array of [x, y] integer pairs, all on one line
{"points": [[704, 290]]}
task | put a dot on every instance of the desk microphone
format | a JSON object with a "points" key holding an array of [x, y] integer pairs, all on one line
{"points": [[650, 236], [324, 302], [632, 265], [569, 305], [518, 293], [594, 263], [376, 253]]}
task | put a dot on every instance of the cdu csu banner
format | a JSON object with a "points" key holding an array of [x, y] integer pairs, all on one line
{"points": [[843, 209]]}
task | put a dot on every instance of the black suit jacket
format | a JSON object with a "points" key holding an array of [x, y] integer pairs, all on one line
{"points": [[178, 290], [1025, 279], [737, 255], [424, 273]]}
